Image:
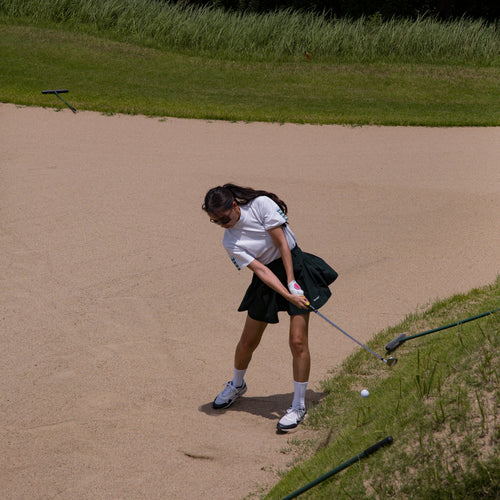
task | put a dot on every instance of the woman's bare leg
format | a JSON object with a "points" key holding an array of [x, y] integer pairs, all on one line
{"points": [[249, 340], [299, 345]]}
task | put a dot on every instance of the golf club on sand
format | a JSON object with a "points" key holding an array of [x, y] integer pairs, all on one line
{"points": [[389, 361]]}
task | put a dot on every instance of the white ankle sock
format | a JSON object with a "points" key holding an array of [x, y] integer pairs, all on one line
{"points": [[238, 377], [299, 395]]}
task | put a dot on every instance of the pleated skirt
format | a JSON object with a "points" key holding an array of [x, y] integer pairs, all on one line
{"points": [[312, 273]]}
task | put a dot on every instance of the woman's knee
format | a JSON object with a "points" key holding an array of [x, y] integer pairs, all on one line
{"points": [[299, 345], [248, 345], [299, 333], [251, 335]]}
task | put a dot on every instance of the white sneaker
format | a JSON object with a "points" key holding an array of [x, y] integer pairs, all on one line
{"points": [[292, 418], [229, 395]]}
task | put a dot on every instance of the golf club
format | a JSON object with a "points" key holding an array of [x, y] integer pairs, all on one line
{"points": [[57, 92], [389, 361], [372, 449]]}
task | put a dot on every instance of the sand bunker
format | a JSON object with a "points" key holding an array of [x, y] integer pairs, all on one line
{"points": [[118, 318]]}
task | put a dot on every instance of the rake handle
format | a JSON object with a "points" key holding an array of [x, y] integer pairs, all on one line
{"points": [[372, 449]]}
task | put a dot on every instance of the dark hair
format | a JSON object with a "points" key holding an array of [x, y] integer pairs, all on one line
{"points": [[221, 198]]}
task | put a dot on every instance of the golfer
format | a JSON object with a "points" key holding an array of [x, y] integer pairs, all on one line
{"points": [[257, 236]]}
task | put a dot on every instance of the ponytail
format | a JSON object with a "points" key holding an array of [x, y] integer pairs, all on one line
{"points": [[222, 197]]}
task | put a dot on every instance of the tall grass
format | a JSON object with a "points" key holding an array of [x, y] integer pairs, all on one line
{"points": [[281, 35]]}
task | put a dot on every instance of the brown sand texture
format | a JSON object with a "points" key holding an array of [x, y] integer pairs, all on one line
{"points": [[118, 303]]}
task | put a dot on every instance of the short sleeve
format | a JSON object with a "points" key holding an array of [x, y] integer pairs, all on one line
{"points": [[269, 212], [239, 257], [249, 238]]}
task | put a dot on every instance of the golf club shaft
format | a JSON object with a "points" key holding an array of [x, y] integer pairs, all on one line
{"points": [[347, 335]]}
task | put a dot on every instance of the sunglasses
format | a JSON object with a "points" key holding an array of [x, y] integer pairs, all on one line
{"points": [[221, 221], [226, 218]]}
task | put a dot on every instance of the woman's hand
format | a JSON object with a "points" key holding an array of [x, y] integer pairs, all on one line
{"points": [[299, 301], [294, 288], [296, 291]]}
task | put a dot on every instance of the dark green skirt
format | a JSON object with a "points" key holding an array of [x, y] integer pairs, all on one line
{"points": [[311, 273]]}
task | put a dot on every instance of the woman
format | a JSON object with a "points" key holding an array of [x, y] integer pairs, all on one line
{"points": [[257, 236]]}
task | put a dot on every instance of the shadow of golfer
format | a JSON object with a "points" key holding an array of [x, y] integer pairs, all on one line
{"points": [[271, 407]]}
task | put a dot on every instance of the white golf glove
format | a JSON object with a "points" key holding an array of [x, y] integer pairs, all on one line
{"points": [[295, 289]]}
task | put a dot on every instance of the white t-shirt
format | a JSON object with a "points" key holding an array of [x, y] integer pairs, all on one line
{"points": [[249, 239]]}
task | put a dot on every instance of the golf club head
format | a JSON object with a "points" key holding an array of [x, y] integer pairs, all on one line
{"points": [[391, 361]]}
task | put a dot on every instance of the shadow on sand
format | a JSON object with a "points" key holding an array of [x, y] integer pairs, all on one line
{"points": [[271, 407]]}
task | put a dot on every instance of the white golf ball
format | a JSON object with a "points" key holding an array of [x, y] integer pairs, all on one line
{"points": [[365, 393]]}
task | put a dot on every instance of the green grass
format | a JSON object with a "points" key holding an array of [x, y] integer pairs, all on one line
{"points": [[159, 59], [277, 36], [441, 404], [117, 77]]}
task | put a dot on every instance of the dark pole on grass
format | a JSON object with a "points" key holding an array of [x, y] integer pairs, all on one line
{"points": [[372, 449], [395, 343], [57, 92]]}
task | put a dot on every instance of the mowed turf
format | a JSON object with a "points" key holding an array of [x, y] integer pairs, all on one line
{"points": [[117, 77]]}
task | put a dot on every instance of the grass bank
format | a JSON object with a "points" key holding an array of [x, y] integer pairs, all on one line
{"points": [[117, 77], [276, 36], [441, 404]]}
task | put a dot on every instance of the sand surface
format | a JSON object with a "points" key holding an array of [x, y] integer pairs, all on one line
{"points": [[118, 303]]}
